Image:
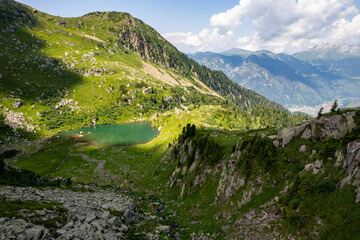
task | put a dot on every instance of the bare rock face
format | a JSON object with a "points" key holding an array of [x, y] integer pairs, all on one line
{"points": [[352, 166], [353, 156], [287, 134], [334, 127], [230, 181]]}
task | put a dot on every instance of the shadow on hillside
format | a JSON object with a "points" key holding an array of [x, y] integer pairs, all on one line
{"points": [[26, 71]]}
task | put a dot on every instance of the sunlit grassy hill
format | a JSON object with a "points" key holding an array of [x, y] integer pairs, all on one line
{"points": [[61, 73]]}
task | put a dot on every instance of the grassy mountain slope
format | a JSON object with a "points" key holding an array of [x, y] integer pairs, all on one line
{"points": [[61, 73]]}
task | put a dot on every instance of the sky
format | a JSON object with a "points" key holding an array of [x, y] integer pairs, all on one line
{"points": [[217, 25]]}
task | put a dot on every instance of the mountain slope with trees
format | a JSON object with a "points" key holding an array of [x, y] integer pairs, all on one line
{"points": [[62, 73]]}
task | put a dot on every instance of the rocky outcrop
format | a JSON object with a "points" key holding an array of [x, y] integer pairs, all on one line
{"points": [[315, 166], [230, 181], [67, 102], [100, 214], [17, 104], [333, 126], [352, 167], [17, 120]]}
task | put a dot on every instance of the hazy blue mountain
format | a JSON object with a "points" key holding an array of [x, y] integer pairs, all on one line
{"points": [[308, 78], [340, 59]]}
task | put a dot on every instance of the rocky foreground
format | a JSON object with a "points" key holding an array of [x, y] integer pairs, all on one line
{"points": [[100, 214]]}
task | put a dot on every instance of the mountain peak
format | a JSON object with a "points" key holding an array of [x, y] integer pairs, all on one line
{"points": [[236, 51], [331, 51]]}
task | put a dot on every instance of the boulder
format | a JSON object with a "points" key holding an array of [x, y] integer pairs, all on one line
{"points": [[288, 133], [90, 217], [36, 232], [308, 167], [302, 148], [40, 212], [164, 228], [17, 104], [317, 166], [113, 221]]}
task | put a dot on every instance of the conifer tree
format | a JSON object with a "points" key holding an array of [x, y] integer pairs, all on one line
{"points": [[334, 106], [320, 112]]}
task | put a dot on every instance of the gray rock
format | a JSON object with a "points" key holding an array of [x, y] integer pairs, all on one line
{"points": [[164, 228], [302, 148], [288, 133], [339, 155], [61, 231], [334, 126], [17, 104], [352, 156], [36, 232], [113, 221], [110, 236], [105, 206], [313, 152], [345, 181], [124, 228], [90, 217], [127, 215], [308, 167], [318, 163], [317, 166], [40, 212], [21, 237], [105, 215]]}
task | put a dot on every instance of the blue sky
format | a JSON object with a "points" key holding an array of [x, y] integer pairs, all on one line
{"points": [[218, 25], [164, 15]]}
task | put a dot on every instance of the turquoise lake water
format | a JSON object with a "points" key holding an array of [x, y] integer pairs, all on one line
{"points": [[118, 134]]}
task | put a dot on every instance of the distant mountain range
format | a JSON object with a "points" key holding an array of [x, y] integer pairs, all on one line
{"points": [[307, 78]]}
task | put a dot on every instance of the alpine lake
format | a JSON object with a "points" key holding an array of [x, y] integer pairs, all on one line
{"points": [[116, 134]]}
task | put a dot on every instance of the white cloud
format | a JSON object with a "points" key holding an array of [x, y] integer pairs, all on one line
{"points": [[279, 25], [228, 20], [206, 40]]}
